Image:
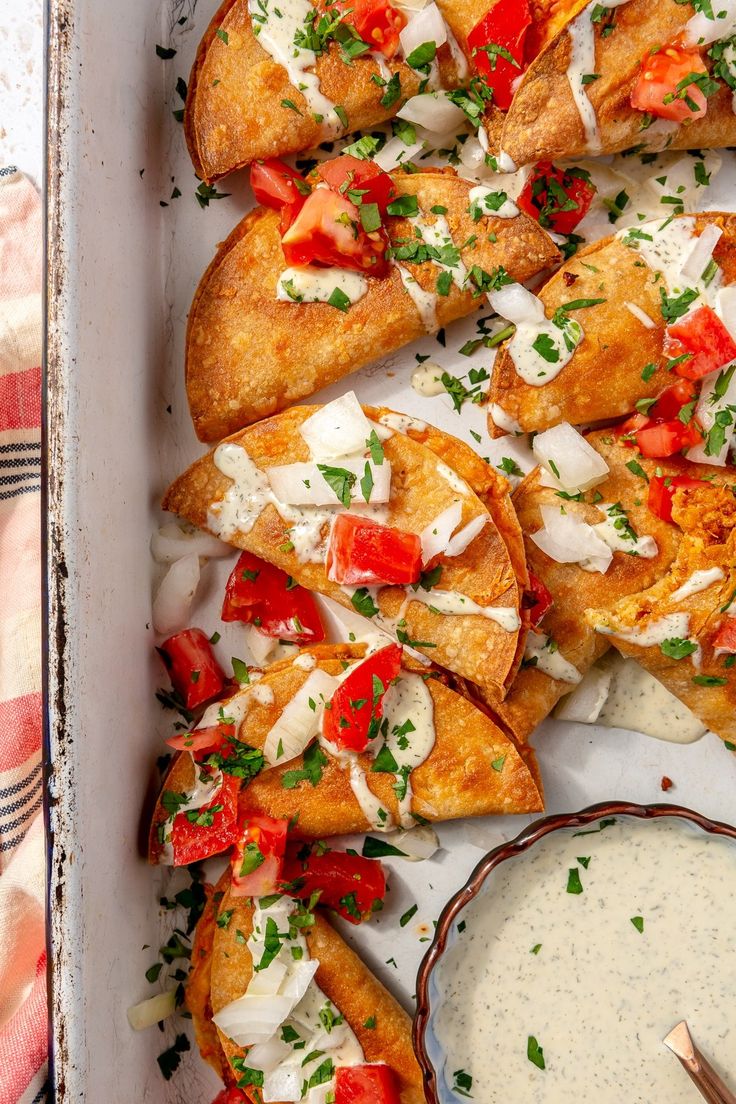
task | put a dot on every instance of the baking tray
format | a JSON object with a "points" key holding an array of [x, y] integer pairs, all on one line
{"points": [[123, 261]]}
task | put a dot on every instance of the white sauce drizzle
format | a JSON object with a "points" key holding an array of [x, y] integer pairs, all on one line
{"points": [[615, 537], [552, 663], [638, 701], [698, 581], [424, 301], [400, 423], [275, 26], [427, 379], [305, 662], [315, 285], [485, 200], [581, 64], [452, 602], [504, 420], [656, 632], [668, 251], [534, 368], [437, 235], [451, 477]]}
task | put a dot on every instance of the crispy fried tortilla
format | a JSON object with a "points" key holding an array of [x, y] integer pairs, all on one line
{"points": [[472, 770], [250, 355], [199, 985], [472, 645], [341, 976], [656, 625], [534, 694], [603, 380], [544, 121], [237, 104]]}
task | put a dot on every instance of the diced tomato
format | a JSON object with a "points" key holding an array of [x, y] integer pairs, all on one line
{"points": [[504, 26], [703, 335], [362, 552], [202, 740], [263, 595], [259, 856], [194, 672], [328, 231], [275, 184], [663, 89], [557, 198], [347, 175], [352, 885], [725, 638], [630, 427], [540, 600], [377, 22], [366, 1085], [357, 705], [661, 439], [671, 401], [662, 491], [231, 1096], [217, 830]]}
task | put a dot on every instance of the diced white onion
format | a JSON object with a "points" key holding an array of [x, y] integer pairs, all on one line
{"points": [[299, 722], [284, 1083], [259, 645], [436, 536], [174, 597], [578, 466], [267, 1056], [585, 702], [395, 153], [299, 979], [517, 303], [433, 111], [701, 253], [426, 25], [170, 543], [641, 315], [567, 539], [253, 1019], [153, 1010], [726, 308], [305, 485], [417, 843], [266, 983], [340, 428], [466, 536], [700, 30]]}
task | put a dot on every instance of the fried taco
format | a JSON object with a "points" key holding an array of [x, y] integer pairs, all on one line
{"points": [[613, 327], [683, 629], [599, 78], [354, 264], [270, 80], [373, 518], [284, 1009], [614, 538], [340, 739]]}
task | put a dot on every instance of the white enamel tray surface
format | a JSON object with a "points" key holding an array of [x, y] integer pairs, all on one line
{"points": [[123, 272]]}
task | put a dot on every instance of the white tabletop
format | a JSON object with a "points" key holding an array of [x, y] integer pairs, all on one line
{"points": [[21, 86]]}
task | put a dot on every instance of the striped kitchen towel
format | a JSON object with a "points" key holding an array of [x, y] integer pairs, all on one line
{"points": [[23, 1017]]}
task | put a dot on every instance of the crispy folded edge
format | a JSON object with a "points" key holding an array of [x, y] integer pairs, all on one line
{"points": [[534, 694], [226, 390], [197, 991], [460, 770], [193, 492], [543, 121], [707, 517], [603, 379], [344, 979]]}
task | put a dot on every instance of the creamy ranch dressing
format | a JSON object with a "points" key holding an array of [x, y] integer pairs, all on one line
{"points": [[452, 602], [655, 632], [616, 536], [275, 26], [486, 201], [401, 423], [672, 242], [538, 652], [524, 349], [315, 285], [437, 235], [427, 379], [582, 63], [698, 581], [599, 995], [637, 701], [424, 301]]}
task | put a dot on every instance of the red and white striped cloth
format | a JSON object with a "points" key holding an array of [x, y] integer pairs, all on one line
{"points": [[23, 1016]]}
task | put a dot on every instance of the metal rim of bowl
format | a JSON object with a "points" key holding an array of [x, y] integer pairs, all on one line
{"points": [[517, 846]]}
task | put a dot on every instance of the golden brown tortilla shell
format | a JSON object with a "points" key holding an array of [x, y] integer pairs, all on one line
{"points": [[235, 112], [342, 977], [708, 516], [543, 121], [250, 355], [603, 379], [471, 645], [199, 983], [458, 779], [533, 693]]}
